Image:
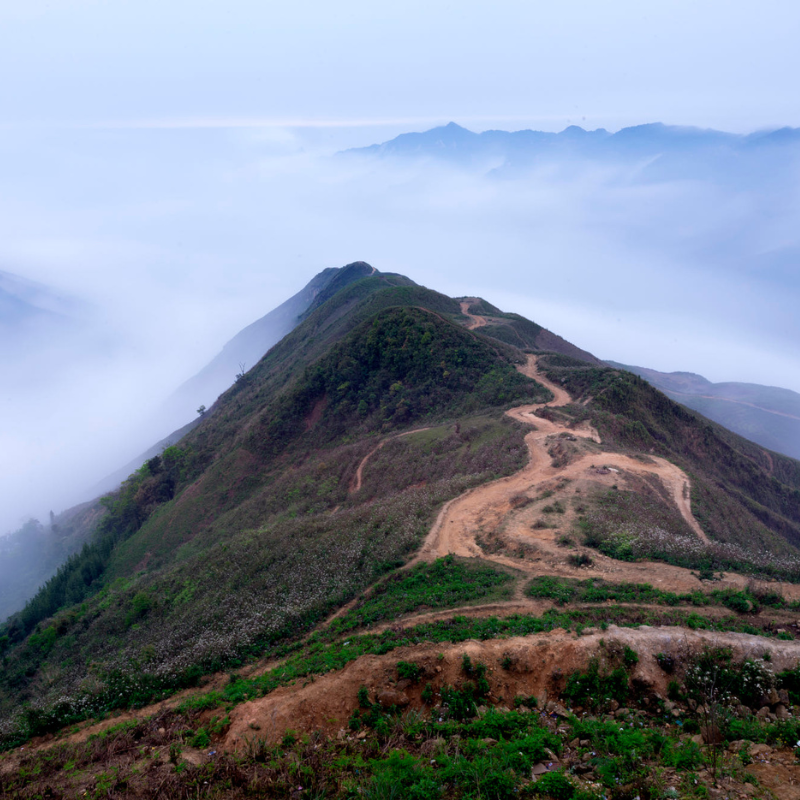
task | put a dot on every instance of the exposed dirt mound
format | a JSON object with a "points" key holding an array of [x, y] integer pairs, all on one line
{"points": [[520, 666]]}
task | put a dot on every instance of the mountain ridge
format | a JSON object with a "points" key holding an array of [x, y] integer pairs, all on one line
{"points": [[251, 533]]}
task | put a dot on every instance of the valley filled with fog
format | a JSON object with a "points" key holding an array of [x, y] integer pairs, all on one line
{"points": [[129, 256]]}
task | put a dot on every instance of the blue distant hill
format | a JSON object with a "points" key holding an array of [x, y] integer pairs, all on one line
{"points": [[767, 415], [677, 148]]}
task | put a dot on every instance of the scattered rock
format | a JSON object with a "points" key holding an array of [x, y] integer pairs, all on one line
{"points": [[391, 697], [759, 750]]}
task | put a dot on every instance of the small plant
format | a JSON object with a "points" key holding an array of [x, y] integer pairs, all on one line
{"points": [[593, 689], [409, 671], [363, 698], [289, 739], [427, 694], [529, 701], [200, 739], [630, 657], [506, 662], [580, 560], [556, 785]]}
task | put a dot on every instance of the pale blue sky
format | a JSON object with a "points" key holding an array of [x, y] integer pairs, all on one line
{"points": [[724, 63]]}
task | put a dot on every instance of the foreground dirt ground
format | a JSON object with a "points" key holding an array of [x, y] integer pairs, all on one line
{"points": [[519, 666]]}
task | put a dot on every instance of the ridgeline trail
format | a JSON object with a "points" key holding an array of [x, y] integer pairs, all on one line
{"points": [[462, 527]]}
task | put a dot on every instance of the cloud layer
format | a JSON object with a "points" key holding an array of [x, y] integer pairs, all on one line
{"points": [[173, 239]]}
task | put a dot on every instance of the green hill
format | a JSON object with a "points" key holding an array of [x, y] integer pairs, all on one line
{"points": [[239, 539], [767, 415]]}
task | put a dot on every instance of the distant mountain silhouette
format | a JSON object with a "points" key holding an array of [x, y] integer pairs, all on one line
{"points": [[676, 148], [26, 306]]}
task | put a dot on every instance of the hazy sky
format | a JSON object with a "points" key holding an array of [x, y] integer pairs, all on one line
{"points": [[166, 165], [723, 63]]}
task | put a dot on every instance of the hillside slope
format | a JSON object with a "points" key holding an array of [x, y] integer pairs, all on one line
{"points": [[767, 415], [392, 427], [251, 343]]}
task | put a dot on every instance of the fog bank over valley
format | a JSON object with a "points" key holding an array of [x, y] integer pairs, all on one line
{"points": [[129, 256]]}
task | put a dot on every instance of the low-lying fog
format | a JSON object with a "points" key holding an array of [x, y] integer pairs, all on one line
{"points": [[149, 248]]}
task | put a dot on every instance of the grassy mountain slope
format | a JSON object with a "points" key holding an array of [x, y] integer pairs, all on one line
{"points": [[252, 342], [740, 493], [767, 415], [32, 554], [520, 332], [247, 532], [321, 470]]}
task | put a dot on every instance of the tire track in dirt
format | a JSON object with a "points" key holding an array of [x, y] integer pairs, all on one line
{"points": [[359, 476]]}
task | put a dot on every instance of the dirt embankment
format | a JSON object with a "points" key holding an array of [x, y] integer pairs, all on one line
{"points": [[520, 666]]}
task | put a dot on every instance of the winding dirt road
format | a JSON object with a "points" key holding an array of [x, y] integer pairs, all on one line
{"points": [[462, 521], [359, 476], [475, 321]]}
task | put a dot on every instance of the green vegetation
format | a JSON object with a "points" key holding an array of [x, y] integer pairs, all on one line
{"points": [[400, 366], [154, 633], [319, 655], [445, 583], [594, 590], [431, 753], [630, 526], [78, 577]]}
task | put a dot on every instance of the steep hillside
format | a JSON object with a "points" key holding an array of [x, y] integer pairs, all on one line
{"points": [[767, 415], [251, 343], [31, 555], [742, 494], [397, 527], [249, 525]]}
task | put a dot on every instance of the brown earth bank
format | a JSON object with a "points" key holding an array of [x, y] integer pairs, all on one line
{"points": [[520, 666]]}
